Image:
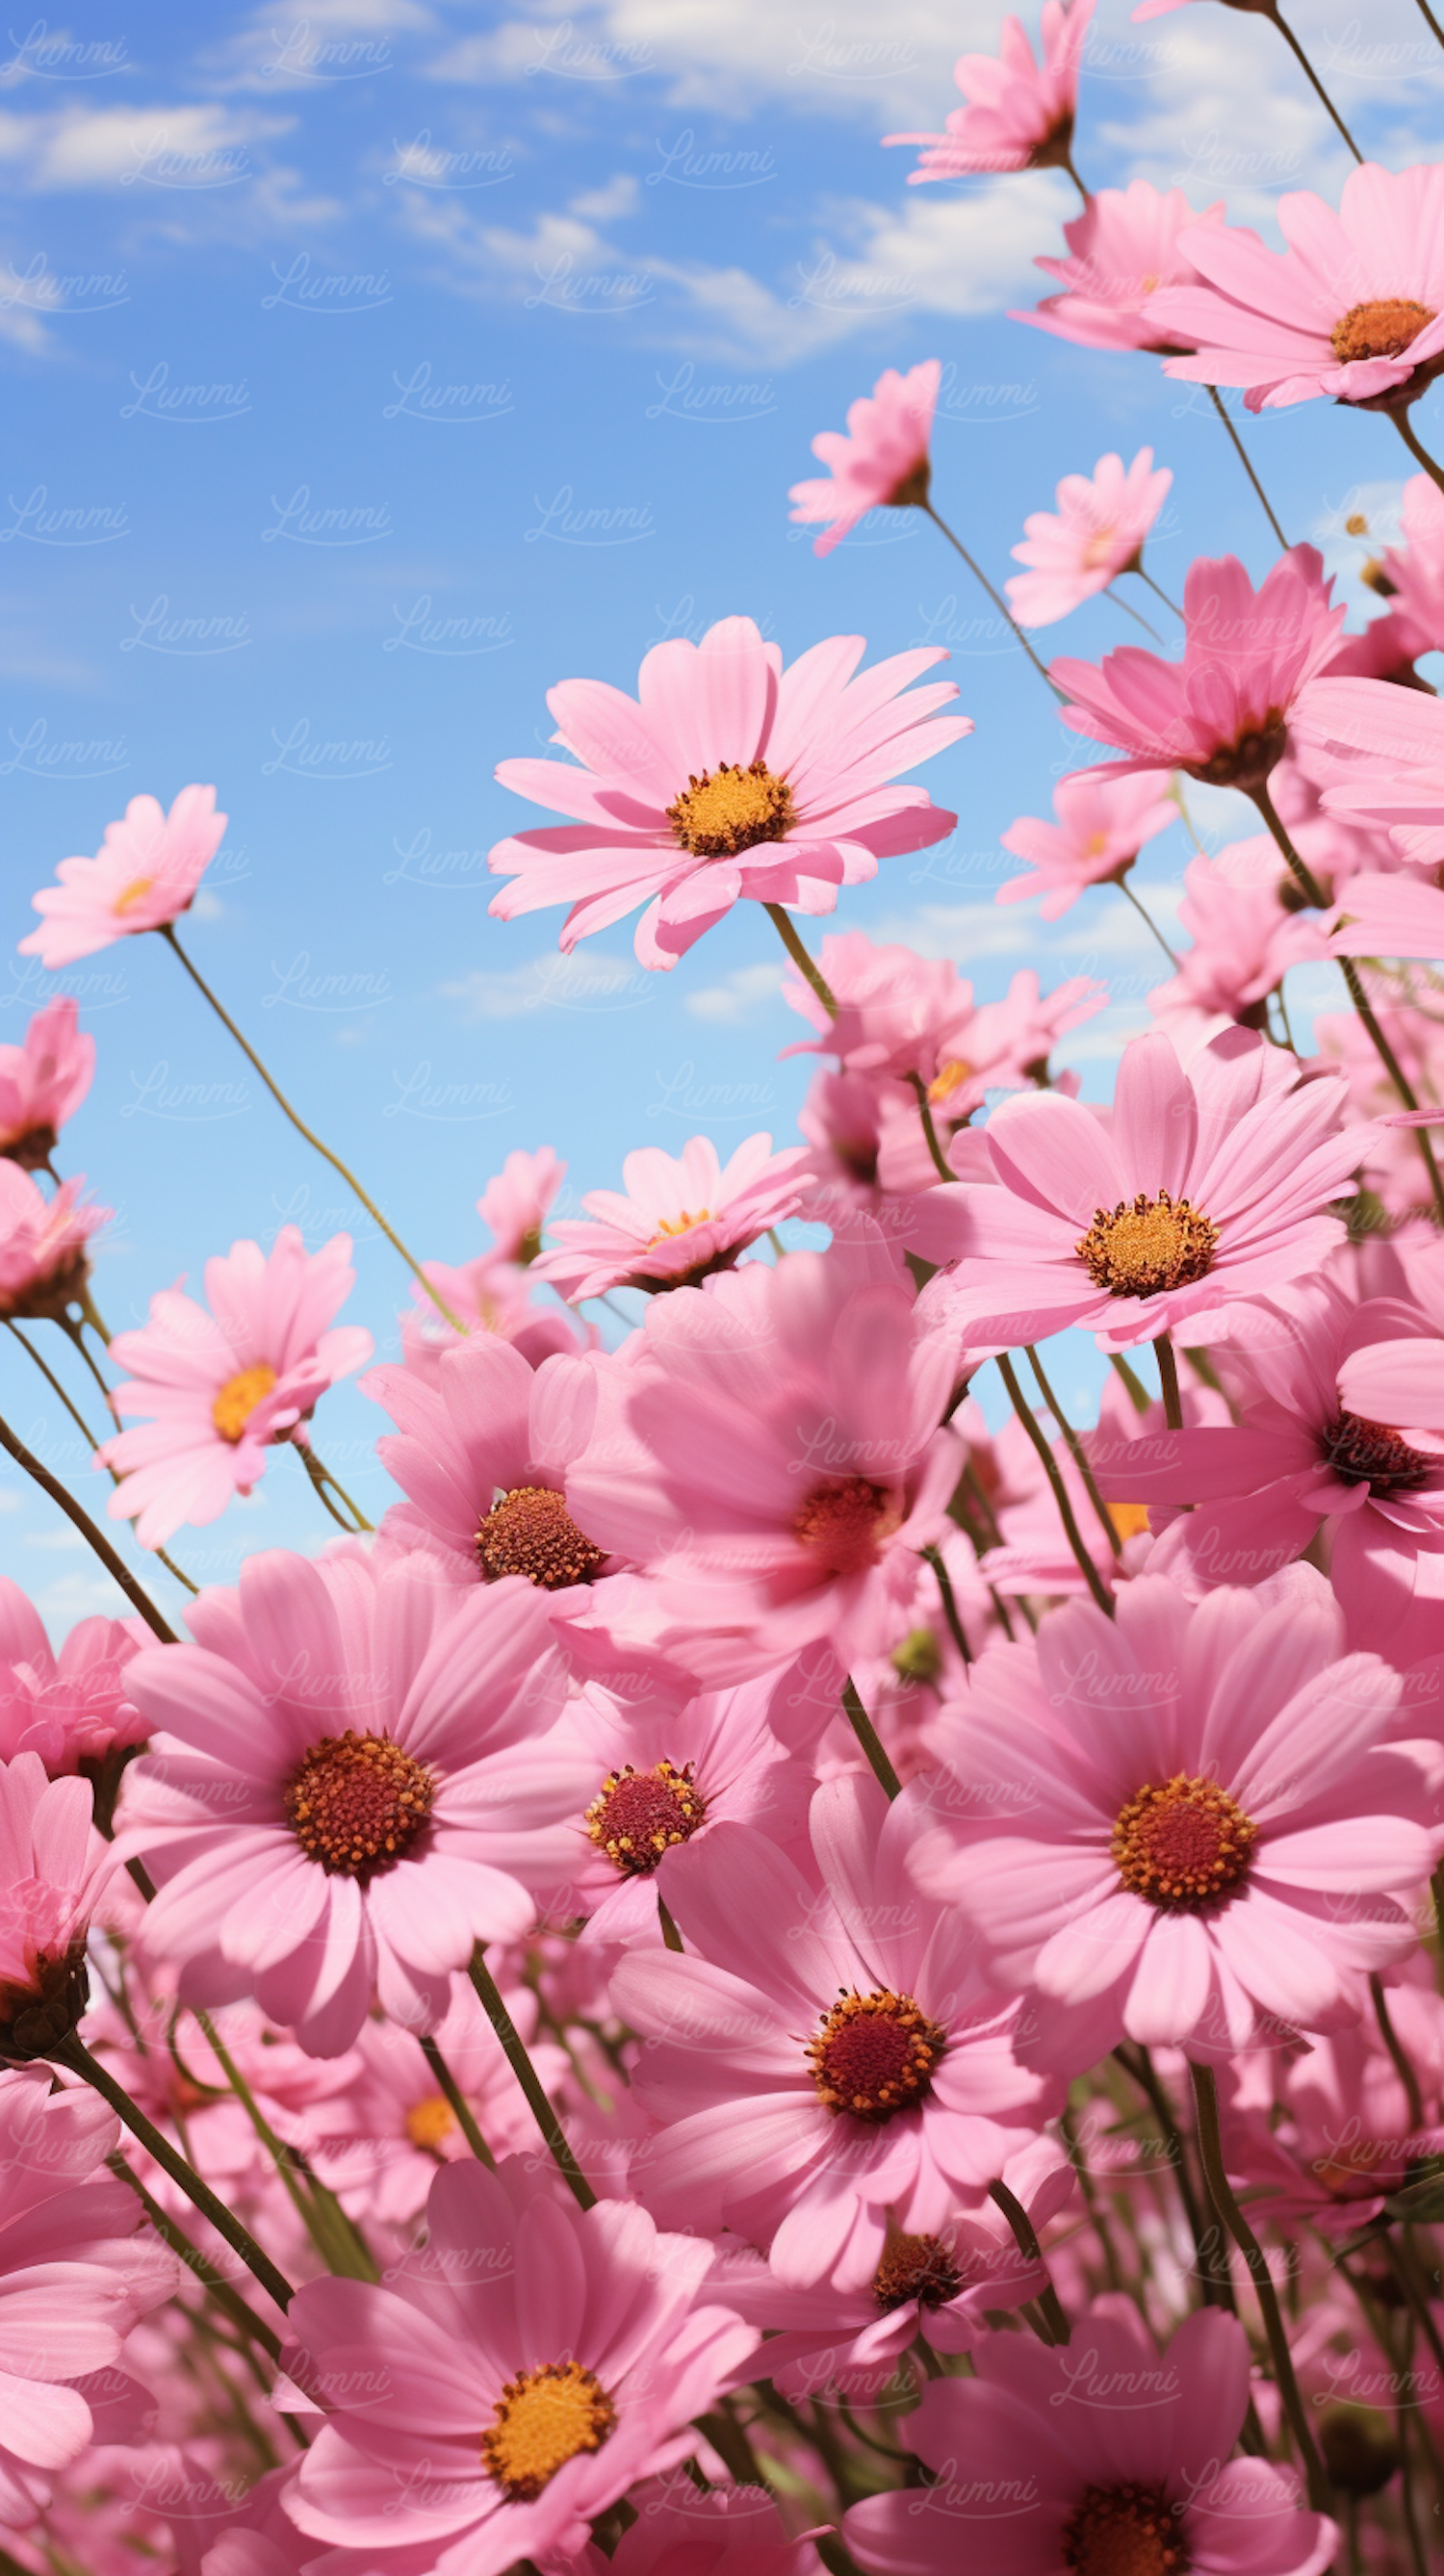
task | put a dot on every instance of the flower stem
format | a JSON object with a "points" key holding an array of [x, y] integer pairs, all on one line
{"points": [[1431, 21], [1076, 1452], [981, 577], [167, 932], [1213, 2271], [1156, 587], [226, 2296], [114, 1565], [1130, 611], [321, 1477], [949, 1601], [1168, 1383], [871, 1742], [527, 2077], [85, 1431], [337, 2238], [807, 966], [1049, 1463], [1242, 452], [1398, 2053], [456, 2101], [1145, 915], [1296, 49], [1210, 2148], [1026, 2238], [1138, 1395], [1417, 450], [941, 1165]]}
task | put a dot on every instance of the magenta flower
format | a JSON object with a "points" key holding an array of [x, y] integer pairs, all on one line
{"points": [[53, 1865], [71, 1707], [342, 1795], [1098, 532], [515, 1202], [1122, 249], [681, 1218], [510, 2381], [144, 875], [1353, 309], [1100, 827], [1185, 1826], [43, 1082], [882, 461], [1019, 114], [43, 1263], [727, 776], [215, 1390], [1108, 2456]]}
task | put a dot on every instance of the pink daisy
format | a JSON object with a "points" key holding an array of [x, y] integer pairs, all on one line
{"points": [[43, 1082], [826, 2055], [1352, 309], [144, 875], [727, 776], [1157, 1815], [1019, 114], [342, 1796], [1205, 1184], [71, 1707], [43, 1264], [515, 1202], [882, 462], [214, 1390], [681, 1217], [1100, 827], [1243, 937], [53, 1866], [1106, 2456], [1122, 249], [1102, 520], [1378, 754], [1222, 712], [492, 1300], [509, 2382], [682, 2530], [1412, 575], [1341, 2134]]}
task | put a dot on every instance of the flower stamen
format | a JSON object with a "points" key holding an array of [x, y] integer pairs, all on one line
{"points": [[543, 2419], [357, 1803], [1182, 1843], [237, 1400], [638, 1815], [874, 2055], [1142, 1249], [530, 1532], [730, 809]]}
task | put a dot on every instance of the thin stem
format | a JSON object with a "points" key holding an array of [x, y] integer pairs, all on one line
{"points": [[1427, 14], [1419, 452], [1401, 2265], [167, 932], [1138, 1394], [1067, 164], [114, 1565], [74, 2054], [1168, 1382], [318, 1480], [949, 1602], [1242, 452], [526, 2076], [337, 2239], [89, 1437], [1210, 2148], [1129, 611], [1398, 2053], [1076, 1452], [871, 1742], [1296, 49], [1026, 2238], [1145, 915], [1213, 2276], [337, 1487], [941, 1165], [1156, 587], [456, 2101], [1049, 1463], [225, 2294], [807, 966], [1001, 606]]}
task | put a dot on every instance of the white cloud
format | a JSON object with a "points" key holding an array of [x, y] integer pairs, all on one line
{"points": [[603, 205], [182, 148], [740, 998], [589, 979]]}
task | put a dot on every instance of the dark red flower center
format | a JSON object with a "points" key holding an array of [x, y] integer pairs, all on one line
{"points": [[916, 2267], [1381, 330], [1124, 2531], [844, 1525], [531, 1533], [638, 1815], [1182, 1843], [1369, 1453], [875, 2054], [1139, 1250], [729, 809], [357, 1804], [1247, 760], [30, 1147]]}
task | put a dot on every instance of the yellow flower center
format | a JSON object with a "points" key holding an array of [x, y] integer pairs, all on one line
{"points": [[1381, 330], [430, 2122], [131, 895], [1143, 1249], [1182, 1843], [1099, 547], [1095, 845], [544, 2418], [950, 1077], [1128, 1518], [729, 809], [239, 1397], [682, 1224]]}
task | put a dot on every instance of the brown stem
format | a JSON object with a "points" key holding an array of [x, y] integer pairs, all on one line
{"points": [[1242, 453], [1049, 1463], [805, 964], [1001, 606], [114, 1565]]}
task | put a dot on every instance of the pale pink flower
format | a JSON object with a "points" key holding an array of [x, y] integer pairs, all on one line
{"points": [[1378, 754], [826, 2053], [214, 1390], [895, 1010], [43, 1082], [43, 1263], [509, 2382], [1389, 1159], [1243, 939], [1155, 1817], [1206, 1183], [53, 1866], [1019, 114], [1341, 2134], [341, 1797], [491, 1298], [1100, 827], [727, 776], [71, 1707], [1098, 532], [681, 1217], [881, 462], [1222, 712], [682, 2530], [144, 875], [1352, 309], [1107, 2455], [1411, 576], [1122, 249], [515, 1202]]}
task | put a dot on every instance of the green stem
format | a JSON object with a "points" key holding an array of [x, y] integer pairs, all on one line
{"points": [[1076, 1452], [949, 1601], [1398, 2053], [226, 2296], [337, 2238], [806, 966], [941, 1165], [1145, 915], [1242, 453], [1130, 611], [1213, 2275], [1026, 2238], [1168, 1383], [526, 2076], [337, 1487], [1049, 1464], [1419, 452], [1001, 605], [75, 1512], [868, 1737], [460, 2108]]}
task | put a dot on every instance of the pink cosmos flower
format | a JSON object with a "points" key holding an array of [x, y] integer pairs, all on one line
{"points": [[1342, 2133], [71, 1707], [144, 875], [510, 2381], [214, 1390], [1098, 532], [1378, 754], [1020, 113], [825, 2053], [1243, 938], [682, 2530], [491, 1299], [1222, 712], [727, 776], [1100, 827], [1207, 1183], [1122, 248], [43, 1082], [1389, 916], [514, 1204], [1412, 575], [1041, 2463], [342, 1797], [681, 1217], [53, 1866], [881, 463], [1352, 309], [43, 1264], [1156, 1815]]}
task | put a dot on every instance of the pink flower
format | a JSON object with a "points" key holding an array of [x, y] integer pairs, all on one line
{"points": [[1107, 2455], [43, 1082], [1122, 248], [1222, 712], [1102, 521], [682, 2530], [881, 463], [514, 1204], [825, 2052], [1341, 2135], [1244, 940], [1206, 1184], [215, 1390], [71, 1707], [1020, 113], [1156, 1816], [730, 777], [144, 875], [1352, 309], [491, 1299], [1101, 826], [52, 1867], [682, 1217], [511, 2381], [43, 1264], [1412, 575], [1378, 753], [341, 1797]]}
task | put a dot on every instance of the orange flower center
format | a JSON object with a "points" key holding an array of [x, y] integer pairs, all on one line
{"points": [[729, 809], [874, 2055], [530, 1532], [1142, 1249], [844, 1525], [682, 1224], [950, 1077], [1124, 2531], [1182, 1843], [916, 2267], [430, 2122], [638, 1815], [543, 2419], [1128, 1518], [357, 1804], [1381, 330], [238, 1398], [131, 895]]}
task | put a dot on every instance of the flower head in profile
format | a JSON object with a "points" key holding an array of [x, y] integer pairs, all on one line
{"points": [[682, 1217], [43, 1262], [492, 1300], [52, 1867], [882, 460], [1121, 250], [1099, 827], [69, 1707], [1377, 753], [214, 1388], [144, 875], [515, 1201], [1019, 113], [1098, 532], [43, 1082], [727, 776]]}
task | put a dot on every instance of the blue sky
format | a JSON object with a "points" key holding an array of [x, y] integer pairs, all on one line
{"points": [[371, 369]]}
